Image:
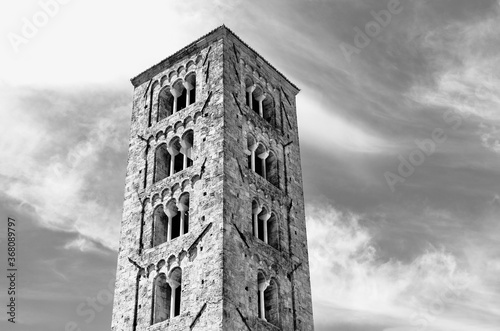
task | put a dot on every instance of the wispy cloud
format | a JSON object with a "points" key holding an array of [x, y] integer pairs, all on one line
{"points": [[349, 275], [60, 160]]}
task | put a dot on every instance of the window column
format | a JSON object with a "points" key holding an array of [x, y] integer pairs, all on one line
{"points": [[173, 152], [176, 94], [170, 214], [262, 310], [188, 87], [260, 99], [264, 219], [173, 293], [252, 149], [250, 90]]}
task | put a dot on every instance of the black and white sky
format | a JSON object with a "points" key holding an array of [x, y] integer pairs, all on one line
{"points": [[400, 143]]}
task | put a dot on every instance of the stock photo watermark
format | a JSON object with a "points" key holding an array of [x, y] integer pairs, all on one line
{"points": [[11, 270], [89, 309], [30, 26], [372, 29], [423, 149], [428, 312]]}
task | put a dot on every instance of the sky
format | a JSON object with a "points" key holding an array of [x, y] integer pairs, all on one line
{"points": [[399, 123]]}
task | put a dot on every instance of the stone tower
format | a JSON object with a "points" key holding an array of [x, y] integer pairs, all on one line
{"points": [[213, 235]]}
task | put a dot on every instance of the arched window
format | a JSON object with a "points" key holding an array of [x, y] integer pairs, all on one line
{"points": [[262, 224], [256, 209], [162, 163], [271, 303], [161, 302], [165, 103], [257, 98], [167, 296], [177, 160], [260, 164], [261, 287], [249, 87], [160, 226], [187, 149], [272, 174], [183, 207], [268, 110], [175, 282], [251, 146], [179, 92], [190, 85], [272, 231]]}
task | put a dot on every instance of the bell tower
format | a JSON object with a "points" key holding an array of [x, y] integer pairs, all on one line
{"points": [[213, 235]]}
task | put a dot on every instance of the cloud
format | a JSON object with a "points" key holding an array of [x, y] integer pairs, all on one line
{"points": [[60, 160], [348, 275]]}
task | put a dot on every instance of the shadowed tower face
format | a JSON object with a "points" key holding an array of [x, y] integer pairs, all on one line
{"points": [[213, 234]]}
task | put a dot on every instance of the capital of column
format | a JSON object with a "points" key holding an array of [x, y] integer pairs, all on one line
{"points": [[257, 210], [253, 147], [263, 155], [182, 207], [173, 284], [175, 92], [251, 88], [264, 285], [265, 217], [170, 213], [187, 85], [172, 150]]}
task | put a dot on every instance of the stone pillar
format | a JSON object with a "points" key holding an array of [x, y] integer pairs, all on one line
{"points": [[253, 148], [170, 215], [188, 87], [261, 107], [175, 94], [262, 288], [173, 285]]}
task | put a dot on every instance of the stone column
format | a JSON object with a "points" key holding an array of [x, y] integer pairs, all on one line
{"points": [[173, 285], [261, 107], [170, 215], [263, 156], [262, 288], [253, 148], [175, 94], [250, 90], [188, 87]]}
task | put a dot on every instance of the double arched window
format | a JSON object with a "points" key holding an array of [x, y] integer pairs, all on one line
{"points": [[171, 99], [265, 224], [262, 160], [171, 221], [167, 296], [173, 157], [268, 299], [259, 101]]}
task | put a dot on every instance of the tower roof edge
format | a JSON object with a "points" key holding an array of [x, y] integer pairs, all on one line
{"points": [[203, 40]]}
